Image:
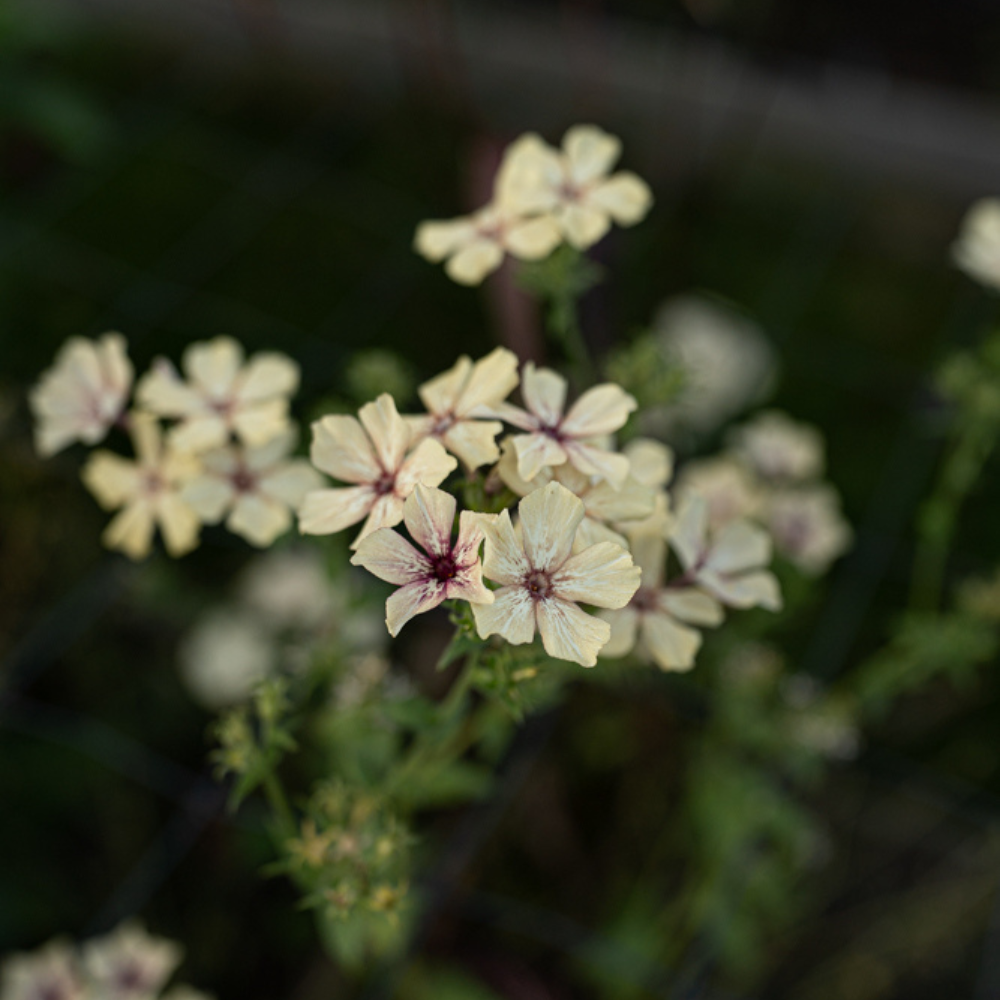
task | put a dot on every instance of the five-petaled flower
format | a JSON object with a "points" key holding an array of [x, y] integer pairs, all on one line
{"points": [[222, 396], [148, 491], [554, 438], [441, 572], [82, 395], [541, 580], [129, 964], [371, 453], [455, 398]]}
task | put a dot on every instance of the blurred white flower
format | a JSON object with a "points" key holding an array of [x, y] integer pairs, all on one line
{"points": [[129, 964], [977, 249], [807, 526], [778, 448], [726, 486], [288, 588], [50, 973], [82, 395]]}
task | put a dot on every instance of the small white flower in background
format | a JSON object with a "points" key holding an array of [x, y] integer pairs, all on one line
{"points": [[447, 571], [542, 581], [82, 395], [50, 973], [372, 454], [473, 246], [555, 437], [728, 362], [224, 656], [574, 184], [650, 462], [778, 448], [222, 394], [729, 563], [725, 484], [129, 964], [657, 622], [977, 249], [807, 526], [258, 488], [288, 588], [454, 400], [148, 491]]}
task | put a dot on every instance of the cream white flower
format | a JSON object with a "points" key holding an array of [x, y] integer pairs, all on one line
{"points": [[778, 448], [288, 588], [541, 580], [657, 622], [258, 488], [473, 246], [574, 184], [148, 491], [977, 249], [129, 964], [455, 398], [443, 571], [371, 453], [51, 973], [554, 438], [82, 395], [808, 527], [725, 484], [222, 395], [729, 563]]}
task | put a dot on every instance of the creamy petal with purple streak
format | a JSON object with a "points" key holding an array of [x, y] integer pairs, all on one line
{"points": [[569, 633], [410, 600], [387, 430], [504, 560], [544, 393], [511, 615], [603, 575], [536, 452], [389, 556], [549, 518], [429, 514], [341, 449]]}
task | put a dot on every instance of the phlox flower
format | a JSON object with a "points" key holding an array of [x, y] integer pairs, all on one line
{"points": [[977, 249], [444, 570], [51, 972], [808, 527], [473, 246], [555, 437], [147, 490], [258, 488], [222, 394], [657, 622], [129, 964], [778, 448], [82, 395], [541, 580], [574, 184], [728, 563], [370, 452], [454, 399]]}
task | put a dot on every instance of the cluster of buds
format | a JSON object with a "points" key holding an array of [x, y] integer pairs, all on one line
{"points": [[352, 852], [226, 454], [542, 197], [127, 964]]}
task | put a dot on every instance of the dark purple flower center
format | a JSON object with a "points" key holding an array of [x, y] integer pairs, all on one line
{"points": [[645, 600], [385, 484], [243, 480], [444, 567], [442, 424], [130, 978], [538, 584]]}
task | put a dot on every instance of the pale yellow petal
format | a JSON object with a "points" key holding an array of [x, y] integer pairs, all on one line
{"points": [[739, 546], [511, 615], [268, 374], [386, 512], [411, 599], [536, 452], [258, 519], [533, 239], [209, 497], [688, 604], [324, 512], [179, 524], [569, 633], [161, 390], [428, 463], [633, 502], [387, 430], [504, 560], [590, 152], [529, 176], [385, 553], [441, 393], [474, 261], [624, 624], [131, 531], [601, 410], [199, 433], [144, 429], [544, 393], [583, 226], [748, 590], [549, 518], [213, 365], [649, 553], [688, 533], [257, 423], [603, 575], [111, 479], [429, 515], [436, 240], [473, 441], [592, 532], [672, 646], [290, 482], [594, 461], [341, 448], [650, 462], [491, 380], [625, 197], [507, 470]]}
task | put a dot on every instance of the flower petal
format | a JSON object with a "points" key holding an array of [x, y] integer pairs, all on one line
{"points": [[544, 393], [688, 604], [590, 152], [341, 448], [583, 226], [179, 524], [511, 615], [601, 410], [111, 479], [258, 519], [739, 546], [389, 556], [474, 261], [441, 394], [650, 462], [624, 624], [290, 482], [387, 430], [428, 463], [549, 518], [603, 575], [131, 531], [213, 365], [268, 374], [533, 239], [491, 380], [209, 497], [746, 591], [594, 461], [412, 599], [430, 516], [437, 239], [474, 441], [504, 560], [625, 197], [671, 645], [535, 453], [688, 534], [386, 512], [324, 512], [569, 633]]}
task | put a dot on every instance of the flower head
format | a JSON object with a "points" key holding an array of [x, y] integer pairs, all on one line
{"points": [[370, 452], [129, 964], [222, 395], [258, 488], [148, 491], [977, 249], [574, 184], [82, 394], [455, 398], [778, 448], [808, 527], [555, 437], [51, 973], [541, 580], [444, 570]]}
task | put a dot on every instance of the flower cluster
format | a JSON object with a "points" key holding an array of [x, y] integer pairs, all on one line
{"points": [[542, 197], [225, 456], [127, 964]]}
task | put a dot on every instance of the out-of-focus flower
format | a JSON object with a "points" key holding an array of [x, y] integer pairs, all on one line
{"points": [[226, 653], [650, 462], [51, 973], [183, 992], [148, 490], [729, 564], [446, 571], [554, 438], [222, 395], [129, 964], [977, 249], [808, 527], [541, 581], [574, 184], [258, 488], [727, 487], [455, 398], [288, 588], [657, 622], [728, 361], [82, 395], [778, 448], [372, 454], [473, 246]]}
